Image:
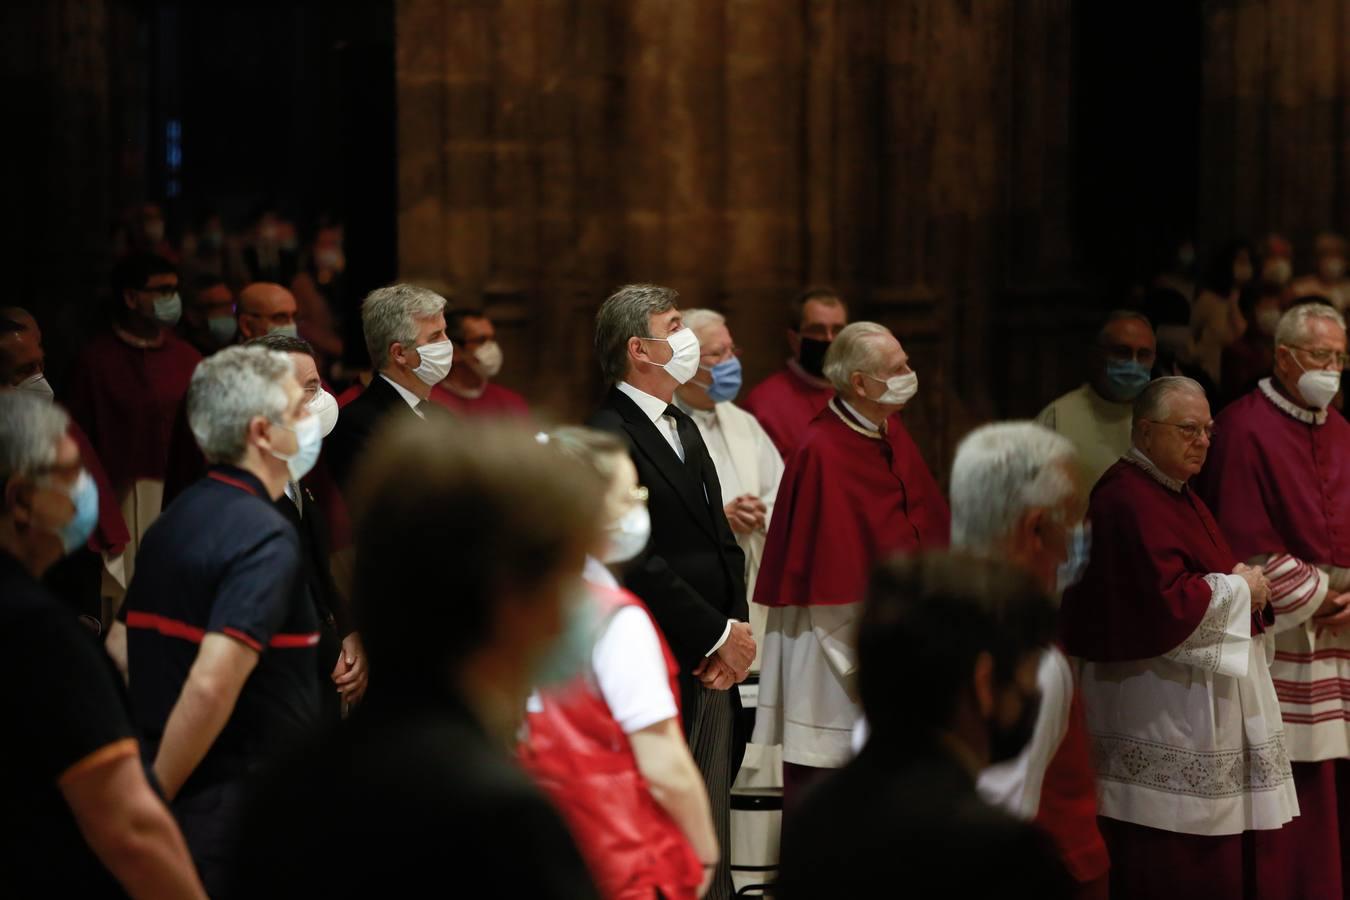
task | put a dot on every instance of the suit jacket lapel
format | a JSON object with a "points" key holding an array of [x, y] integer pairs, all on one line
{"points": [[649, 442]]}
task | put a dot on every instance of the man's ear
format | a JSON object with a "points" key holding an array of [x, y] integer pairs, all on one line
{"points": [[258, 431], [794, 341], [129, 298], [982, 678], [637, 350], [19, 499]]}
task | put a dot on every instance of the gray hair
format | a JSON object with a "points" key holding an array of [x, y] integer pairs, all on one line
{"points": [[1121, 315], [1001, 471], [30, 432], [627, 314], [389, 315], [231, 389], [1295, 325], [855, 349], [1155, 403], [702, 318]]}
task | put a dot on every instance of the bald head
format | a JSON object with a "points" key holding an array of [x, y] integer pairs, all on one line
{"points": [[21, 355], [265, 307]]}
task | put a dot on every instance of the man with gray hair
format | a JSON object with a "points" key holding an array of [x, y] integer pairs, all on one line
{"points": [[1095, 416], [221, 639], [1016, 495], [854, 492], [80, 817], [410, 353], [1173, 632], [692, 574], [1278, 480]]}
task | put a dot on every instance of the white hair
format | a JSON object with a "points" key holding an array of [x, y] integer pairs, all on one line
{"points": [[695, 319], [31, 429], [855, 349], [389, 315], [1155, 402], [1001, 471], [231, 389], [1295, 326]]}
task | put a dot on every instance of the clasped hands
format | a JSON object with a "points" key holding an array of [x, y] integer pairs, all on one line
{"points": [[1255, 577], [730, 665]]}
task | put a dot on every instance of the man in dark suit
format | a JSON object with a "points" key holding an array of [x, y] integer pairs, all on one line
{"points": [[948, 649], [692, 574], [405, 334]]}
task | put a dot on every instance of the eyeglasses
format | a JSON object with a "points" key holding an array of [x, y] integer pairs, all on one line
{"points": [[1324, 357], [1189, 431], [734, 351]]}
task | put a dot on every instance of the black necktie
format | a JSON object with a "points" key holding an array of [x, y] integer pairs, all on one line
{"points": [[690, 439]]}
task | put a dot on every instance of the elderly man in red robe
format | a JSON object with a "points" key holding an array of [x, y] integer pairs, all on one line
{"points": [[1172, 629], [787, 401], [1278, 480], [855, 492], [125, 387]]}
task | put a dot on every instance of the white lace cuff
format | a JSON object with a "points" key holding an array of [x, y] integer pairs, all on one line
{"points": [[1219, 644]]}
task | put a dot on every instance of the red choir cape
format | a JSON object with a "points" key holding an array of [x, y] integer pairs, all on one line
{"points": [[785, 403], [495, 401], [1144, 591], [1278, 485], [111, 535], [125, 398], [846, 501]]}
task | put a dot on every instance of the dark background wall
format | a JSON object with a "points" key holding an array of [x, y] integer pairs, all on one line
{"points": [[985, 176]]}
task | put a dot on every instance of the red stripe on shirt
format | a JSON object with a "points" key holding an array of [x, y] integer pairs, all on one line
{"points": [[1305, 658], [1306, 719], [174, 628], [233, 482]]}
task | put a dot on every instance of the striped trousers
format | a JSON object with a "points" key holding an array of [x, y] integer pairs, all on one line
{"points": [[710, 741]]}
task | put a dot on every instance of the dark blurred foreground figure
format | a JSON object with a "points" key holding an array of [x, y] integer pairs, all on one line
{"points": [[79, 819], [418, 782], [948, 650]]}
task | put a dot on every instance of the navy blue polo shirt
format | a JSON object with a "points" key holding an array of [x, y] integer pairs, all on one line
{"points": [[222, 559]]}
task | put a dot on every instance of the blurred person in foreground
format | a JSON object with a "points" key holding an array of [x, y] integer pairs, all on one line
{"points": [[949, 647], [80, 817], [469, 539], [606, 744]]}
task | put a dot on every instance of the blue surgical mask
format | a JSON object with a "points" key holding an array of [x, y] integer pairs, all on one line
{"points": [[570, 653], [168, 310], [84, 494], [726, 380], [1126, 379], [222, 328], [290, 329], [1080, 550], [309, 437]]}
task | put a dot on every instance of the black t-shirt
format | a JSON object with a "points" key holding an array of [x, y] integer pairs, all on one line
{"points": [[221, 559], [66, 714], [423, 798]]}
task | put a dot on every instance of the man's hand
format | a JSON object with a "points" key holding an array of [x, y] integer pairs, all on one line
{"points": [[746, 514], [1256, 580], [716, 675], [1333, 614], [351, 674], [738, 651]]}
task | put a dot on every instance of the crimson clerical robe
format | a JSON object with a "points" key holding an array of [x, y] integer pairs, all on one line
{"points": [[495, 401], [124, 397], [1278, 480], [1176, 688], [849, 497], [785, 403]]}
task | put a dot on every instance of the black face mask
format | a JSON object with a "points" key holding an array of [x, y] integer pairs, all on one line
{"points": [[1006, 742], [811, 357]]}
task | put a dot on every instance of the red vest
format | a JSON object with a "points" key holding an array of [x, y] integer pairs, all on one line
{"points": [[580, 756], [1068, 810]]}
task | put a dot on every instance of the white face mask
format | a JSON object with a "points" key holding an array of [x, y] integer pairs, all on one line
{"points": [[37, 385], [900, 389], [1318, 387], [684, 354], [488, 359], [1332, 268], [628, 537], [435, 364], [1278, 271], [324, 407], [309, 441]]}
